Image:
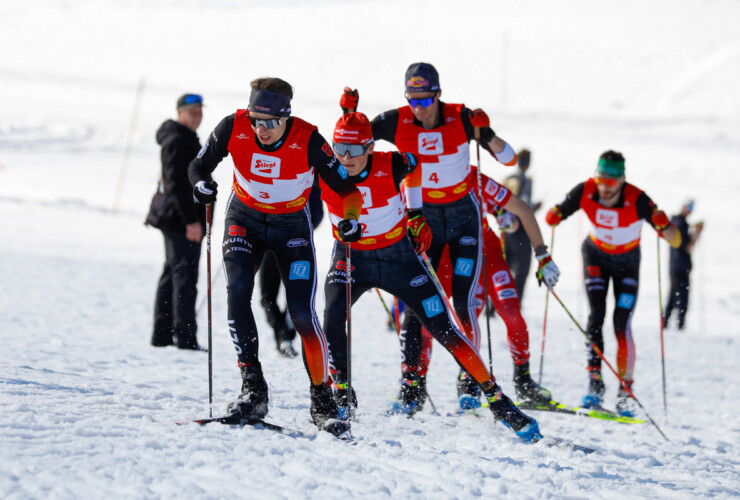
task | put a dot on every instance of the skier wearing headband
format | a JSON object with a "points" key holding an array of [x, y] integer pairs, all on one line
{"points": [[616, 210], [275, 157]]}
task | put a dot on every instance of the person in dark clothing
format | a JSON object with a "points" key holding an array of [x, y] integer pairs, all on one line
{"points": [[517, 247], [174, 212], [680, 264], [269, 277]]}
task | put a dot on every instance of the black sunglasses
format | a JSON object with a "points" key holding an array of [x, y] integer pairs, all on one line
{"points": [[269, 124]]}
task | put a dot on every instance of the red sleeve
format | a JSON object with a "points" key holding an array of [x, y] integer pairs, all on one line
{"points": [[494, 193]]}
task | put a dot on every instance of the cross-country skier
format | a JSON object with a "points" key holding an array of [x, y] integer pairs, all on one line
{"points": [[439, 133], [386, 257], [274, 158], [616, 210], [501, 288], [680, 264]]}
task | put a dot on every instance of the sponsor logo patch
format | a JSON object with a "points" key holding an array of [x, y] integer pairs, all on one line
{"points": [[419, 280], [507, 293], [265, 166], [593, 271], [501, 278], [417, 82], [468, 241], [432, 306], [300, 270], [464, 267], [629, 282], [342, 266], [237, 231], [608, 218], [626, 301], [342, 172], [297, 242], [430, 143]]}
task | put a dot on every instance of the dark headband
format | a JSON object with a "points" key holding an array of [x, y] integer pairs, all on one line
{"points": [[269, 103]]}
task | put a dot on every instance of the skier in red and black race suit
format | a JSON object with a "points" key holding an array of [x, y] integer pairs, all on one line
{"points": [[439, 133], [501, 285], [616, 210], [274, 158], [394, 231]]}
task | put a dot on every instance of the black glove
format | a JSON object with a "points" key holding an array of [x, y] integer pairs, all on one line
{"points": [[349, 230], [205, 192]]}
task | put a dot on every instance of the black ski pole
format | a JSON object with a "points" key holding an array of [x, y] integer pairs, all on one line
{"points": [[601, 355], [348, 294], [662, 327], [544, 321], [483, 213], [209, 221]]}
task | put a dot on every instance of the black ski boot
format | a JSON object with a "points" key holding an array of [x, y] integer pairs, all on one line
{"points": [[468, 392], [341, 396], [324, 412], [411, 397], [504, 411], [596, 389], [527, 389], [252, 401]]}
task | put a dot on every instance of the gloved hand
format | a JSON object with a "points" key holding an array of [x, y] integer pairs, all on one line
{"points": [[419, 232], [507, 221], [205, 192], [349, 100], [547, 271], [479, 118], [660, 220], [349, 230], [553, 216]]}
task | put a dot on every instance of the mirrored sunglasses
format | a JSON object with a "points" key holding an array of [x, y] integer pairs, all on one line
{"points": [[606, 181], [353, 149], [424, 103], [268, 124]]}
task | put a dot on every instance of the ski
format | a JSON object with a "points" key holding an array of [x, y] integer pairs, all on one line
{"points": [[259, 423], [600, 413], [558, 442], [237, 419]]}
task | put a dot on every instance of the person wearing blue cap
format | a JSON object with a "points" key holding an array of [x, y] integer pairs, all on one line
{"points": [[182, 223], [276, 157], [439, 134], [680, 264], [616, 211]]}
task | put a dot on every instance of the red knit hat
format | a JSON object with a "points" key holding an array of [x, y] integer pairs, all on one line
{"points": [[353, 128]]}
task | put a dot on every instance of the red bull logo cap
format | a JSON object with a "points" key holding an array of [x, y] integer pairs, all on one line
{"points": [[422, 77]]}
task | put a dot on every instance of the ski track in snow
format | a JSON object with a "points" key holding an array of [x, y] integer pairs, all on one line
{"points": [[89, 408]]}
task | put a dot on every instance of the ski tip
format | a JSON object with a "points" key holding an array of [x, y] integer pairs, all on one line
{"points": [[558, 442]]}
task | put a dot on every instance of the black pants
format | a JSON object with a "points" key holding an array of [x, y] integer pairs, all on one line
{"points": [[399, 271], [269, 277], [456, 225], [623, 270], [518, 257], [678, 298], [174, 306], [248, 234]]}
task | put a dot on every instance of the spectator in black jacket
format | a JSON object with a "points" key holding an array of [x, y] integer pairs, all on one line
{"points": [[182, 222], [680, 264]]}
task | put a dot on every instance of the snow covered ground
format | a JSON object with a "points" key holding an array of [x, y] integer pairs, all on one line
{"points": [[88, 407]]}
